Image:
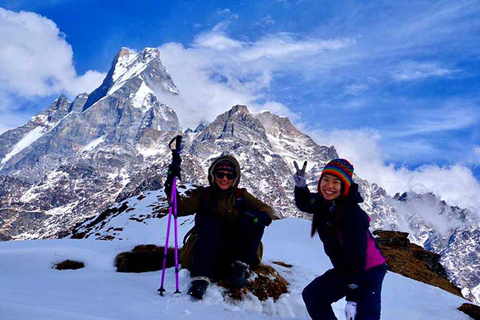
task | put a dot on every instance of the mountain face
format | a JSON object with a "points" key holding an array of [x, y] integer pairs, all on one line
{"points": [[450, 231], [461, 258], [76, 160], [14, 141]]}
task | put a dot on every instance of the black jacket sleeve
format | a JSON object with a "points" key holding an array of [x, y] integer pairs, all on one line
{"points": [[355, 247], [305, 200]]}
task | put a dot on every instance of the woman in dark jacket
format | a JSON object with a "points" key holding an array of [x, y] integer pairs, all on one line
{"points": [[229, 225], [358, 265]]}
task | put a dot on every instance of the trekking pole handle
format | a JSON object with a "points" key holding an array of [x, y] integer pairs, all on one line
{"points": [[176, 144]]}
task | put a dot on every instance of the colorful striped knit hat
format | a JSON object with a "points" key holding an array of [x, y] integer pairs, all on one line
{"points": [[341, 169]]}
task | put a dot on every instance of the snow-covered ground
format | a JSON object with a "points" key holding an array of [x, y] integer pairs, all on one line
{"points": [[32, 289]]}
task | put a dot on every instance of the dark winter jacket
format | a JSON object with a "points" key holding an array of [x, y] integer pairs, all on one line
{"points": [[346, 238], [221, 204]]}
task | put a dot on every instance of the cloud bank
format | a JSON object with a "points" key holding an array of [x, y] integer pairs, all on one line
{"points": [[455, 183], [36, 60], [217, 71]]}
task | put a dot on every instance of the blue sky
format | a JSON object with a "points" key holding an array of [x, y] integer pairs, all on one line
{"points": [[392, 84]]}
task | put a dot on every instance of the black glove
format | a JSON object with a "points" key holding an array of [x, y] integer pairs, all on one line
{"points": [[173, 171], [259, 217]]}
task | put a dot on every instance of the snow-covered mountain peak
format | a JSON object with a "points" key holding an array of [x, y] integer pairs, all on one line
{"points": [[130, 63], [145, 65], [121, 63], [62, 97], [201, 126], [124, 51], [150, 53], [276, 125], [136, 75], [289, 141], [239, 109], [238, 122]]}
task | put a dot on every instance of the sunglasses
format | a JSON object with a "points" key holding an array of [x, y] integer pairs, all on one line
{"points": [[220, 175]]}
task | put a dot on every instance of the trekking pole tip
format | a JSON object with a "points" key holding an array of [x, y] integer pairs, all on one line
{"points": [[161, 291]]}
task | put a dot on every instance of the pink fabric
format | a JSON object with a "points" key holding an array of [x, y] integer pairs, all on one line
{"points": [[374, 257]]}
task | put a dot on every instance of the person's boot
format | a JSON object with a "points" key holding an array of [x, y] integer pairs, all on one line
{"points": [[237, 277], [199, 287]]}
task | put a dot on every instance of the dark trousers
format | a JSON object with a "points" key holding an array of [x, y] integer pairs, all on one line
{"points": [[331, 287], [218, 245]]}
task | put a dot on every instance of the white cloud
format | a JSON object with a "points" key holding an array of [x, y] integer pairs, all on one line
{"points": [[455, 184], [276, 108], [290, 3], [200, 97], [265, 21], [216, 41], [452, 115], [411, 71], [473, 157], [225, 11], [36, 60], [284, 45], [228, 17], [355, 89], [219, 72], [428, 209], [476, 150]]}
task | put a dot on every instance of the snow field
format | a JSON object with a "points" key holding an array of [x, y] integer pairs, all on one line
{"points": [[32, 289]]}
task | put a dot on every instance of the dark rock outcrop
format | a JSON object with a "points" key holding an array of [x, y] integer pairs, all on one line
{"points": [[471, 310], [413, 261]]}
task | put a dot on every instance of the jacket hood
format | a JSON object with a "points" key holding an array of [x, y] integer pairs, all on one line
{"points": [[211, 178]]}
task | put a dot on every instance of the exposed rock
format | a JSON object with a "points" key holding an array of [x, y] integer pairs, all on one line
{"points": [[69, 265], [144, 258], [393, 239], [413, 261], [80, 230], [264, 282], [283, 264], [471, 310]]}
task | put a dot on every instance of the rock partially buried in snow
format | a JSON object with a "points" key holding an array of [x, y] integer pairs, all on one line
{"points": [[69, 265], [144, 258], [264, 282]]}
